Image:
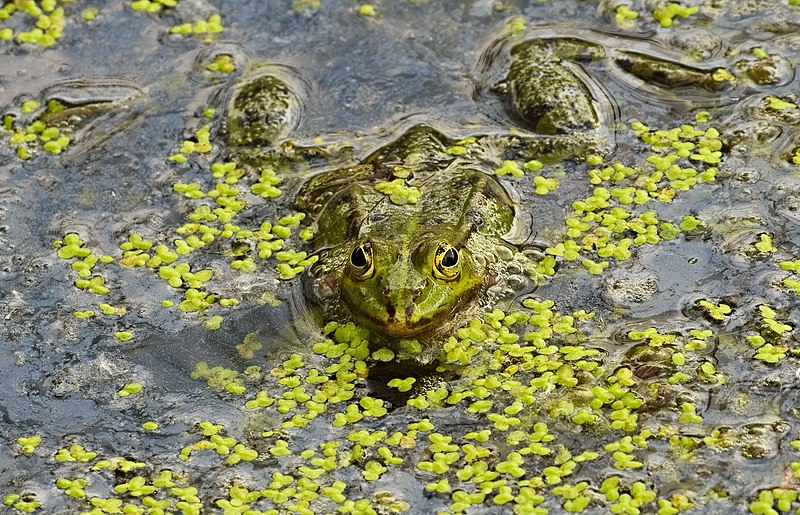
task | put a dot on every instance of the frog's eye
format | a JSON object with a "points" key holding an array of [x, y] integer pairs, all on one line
{"points": [[361, 261], [445, 263]]}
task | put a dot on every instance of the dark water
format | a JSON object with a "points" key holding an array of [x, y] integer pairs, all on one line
{"points": [[360, 81]]}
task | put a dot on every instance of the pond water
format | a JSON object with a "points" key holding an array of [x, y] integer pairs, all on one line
{"points": [[158, 353]]}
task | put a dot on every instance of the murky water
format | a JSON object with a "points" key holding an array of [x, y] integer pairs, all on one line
{"points": [[680, 393]]}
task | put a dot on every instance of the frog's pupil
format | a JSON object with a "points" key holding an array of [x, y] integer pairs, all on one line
{"points": [[358, 258], [450, 258]]}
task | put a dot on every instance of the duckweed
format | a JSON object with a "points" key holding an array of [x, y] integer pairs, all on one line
{"points": [[398, 192], [779, 104], [715, 311], [510, 168], [153, 6], [76, 452], [665, 15], [26, 503], [73, 488], [790, 282], [624, 15], [29, 443], [213, 323], [90, 14], [204, 27], [605, 224], [130, 389], [366, 10], [47, 28], [37, 135], [123, 336], [450, 460], [764, 244]]}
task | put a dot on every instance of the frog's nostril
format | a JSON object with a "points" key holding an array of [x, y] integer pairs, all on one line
{"points": [[390, 311], [409, 310]]}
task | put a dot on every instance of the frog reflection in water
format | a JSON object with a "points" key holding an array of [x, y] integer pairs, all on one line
{"points": [[410, 262]]}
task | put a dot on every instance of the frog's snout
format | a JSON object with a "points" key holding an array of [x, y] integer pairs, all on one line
{"points": [[391, 312], [401, 301]]}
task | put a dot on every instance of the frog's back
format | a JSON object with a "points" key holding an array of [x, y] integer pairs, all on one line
{"points": [[450, 197]]}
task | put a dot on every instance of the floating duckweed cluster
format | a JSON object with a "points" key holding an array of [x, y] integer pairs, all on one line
{"points": [[29, 443], [83, 262], [612, 221], [75, 452], [522, 376], [130, 389], [796, 156], [233, 451], [778, 104], [90, 13], [206, 223], [26, 503], [770, 500], [793, 281], [624, 16], [153, 6], [123, 336], [367, 10], [715, 311], [28, 138], [764, 244], [515, 27], [199, 143], [48, 26], [398, 192], [200, 27], [461, 147], [543, 185], [219, 198], [223, 63], [666, 15], [773, 337]]}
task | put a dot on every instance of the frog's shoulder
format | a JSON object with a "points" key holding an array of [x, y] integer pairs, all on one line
{"points": [[319, 189]]}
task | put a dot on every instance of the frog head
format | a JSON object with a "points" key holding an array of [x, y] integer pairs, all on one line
{"points": [[404, 287]]}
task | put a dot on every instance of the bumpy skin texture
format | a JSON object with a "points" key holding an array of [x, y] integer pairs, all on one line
{"points": [[545, 92], [459, 207], [259, 112]]}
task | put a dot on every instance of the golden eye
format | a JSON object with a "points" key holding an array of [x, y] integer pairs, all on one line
{"points": [[361, 261], [445, 263]]}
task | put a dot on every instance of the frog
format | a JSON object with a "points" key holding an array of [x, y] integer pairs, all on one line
{"points": [[404, 264], [412, 238]]}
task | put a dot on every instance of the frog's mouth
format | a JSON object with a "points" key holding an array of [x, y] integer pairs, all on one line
{"points": [[403, 329], [390, 327], [400, 327], [408, 324]]}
